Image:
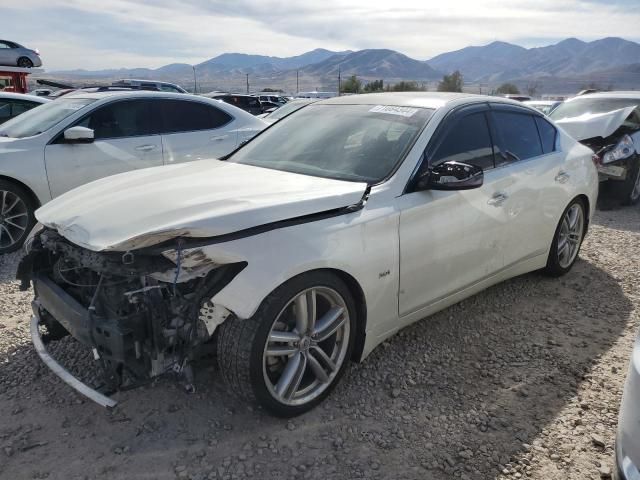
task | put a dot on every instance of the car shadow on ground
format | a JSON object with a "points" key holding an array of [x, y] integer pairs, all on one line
{"points": [[459, 394]]}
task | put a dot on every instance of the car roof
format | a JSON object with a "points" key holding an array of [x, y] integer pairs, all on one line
{"points": [[620, 94], [23, 96], [413, 99], [129, 94]]}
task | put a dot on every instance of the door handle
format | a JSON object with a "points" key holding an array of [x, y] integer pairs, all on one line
{"points": [[218, 138], [497, 199], [145, 148], [562, 177]]}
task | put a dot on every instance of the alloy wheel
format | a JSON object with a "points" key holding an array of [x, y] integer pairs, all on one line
{"points": [[570, 236], [306, 346], [635, 193], [14, 219]]}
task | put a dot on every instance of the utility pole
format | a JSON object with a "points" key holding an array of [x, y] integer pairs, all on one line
{"points": [[247, 83], [339, 81], [195, 84], [297, 82]]}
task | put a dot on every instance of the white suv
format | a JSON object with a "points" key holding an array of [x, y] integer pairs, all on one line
{"points": [[89, 135]]}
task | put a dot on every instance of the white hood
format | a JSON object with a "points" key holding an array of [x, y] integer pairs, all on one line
{"points": [[592, 125], [197, 199]]}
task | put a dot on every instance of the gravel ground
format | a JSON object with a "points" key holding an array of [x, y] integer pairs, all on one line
{"points": [[523, 380]]}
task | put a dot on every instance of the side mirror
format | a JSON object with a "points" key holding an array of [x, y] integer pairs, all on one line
{"points": [[78, 135], [451, 175]]}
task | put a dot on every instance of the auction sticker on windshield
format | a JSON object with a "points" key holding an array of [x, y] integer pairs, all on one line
{"points": [[394, 110]]}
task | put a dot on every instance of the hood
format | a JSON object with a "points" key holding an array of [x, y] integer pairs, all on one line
{"points": [[592, 125], [197, 199]]}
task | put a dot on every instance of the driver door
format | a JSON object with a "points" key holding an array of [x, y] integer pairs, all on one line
{"points": [[451, 240], [125, 138]]}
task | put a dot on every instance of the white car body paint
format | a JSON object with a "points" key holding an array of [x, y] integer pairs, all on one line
{"points": [[49, 169], [592, 125], [390, 247]]}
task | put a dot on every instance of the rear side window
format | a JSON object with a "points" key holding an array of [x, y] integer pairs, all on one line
{"points": [[129, 118], [548, 135], [186, 116], [467, 140], [518, 136]]}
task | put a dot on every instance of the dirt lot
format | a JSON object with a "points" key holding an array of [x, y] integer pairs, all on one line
{"points": [[523, 380]]}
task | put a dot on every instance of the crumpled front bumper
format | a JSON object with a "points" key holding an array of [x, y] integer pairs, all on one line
{"points": [[59, 370]]}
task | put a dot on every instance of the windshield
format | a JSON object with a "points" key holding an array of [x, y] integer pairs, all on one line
{"points": [[346, 142], [43, 117], [288, 108], [583, 106]]}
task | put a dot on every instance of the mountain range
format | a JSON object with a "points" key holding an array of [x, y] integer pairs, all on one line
{"points": [[565, 65]]}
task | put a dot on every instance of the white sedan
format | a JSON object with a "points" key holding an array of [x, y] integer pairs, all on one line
{"points": [[324, 235], [100, 132]]}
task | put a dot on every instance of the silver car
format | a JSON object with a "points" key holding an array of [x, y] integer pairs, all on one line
{"points": [[628, 438], [13, 54]]}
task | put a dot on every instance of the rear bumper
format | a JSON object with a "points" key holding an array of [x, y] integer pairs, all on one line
{"points": [[60, 371]]}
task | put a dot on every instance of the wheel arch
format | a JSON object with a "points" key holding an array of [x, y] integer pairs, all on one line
{"points": [[587, 210], [361, 305], [25, 187]]}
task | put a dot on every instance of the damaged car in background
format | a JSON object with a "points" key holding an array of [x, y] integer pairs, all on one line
{"points": [[307, 247], [609, 124]]}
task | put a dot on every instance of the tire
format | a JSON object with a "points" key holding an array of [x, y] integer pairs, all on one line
{"points": [[258, 374], [16, 216], [24, 62], [567, 236], [630, 187]]}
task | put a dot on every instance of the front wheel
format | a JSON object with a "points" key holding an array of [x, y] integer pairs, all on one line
{"points": [[293, 351], [567, 239], [24, 62], [16, 216]]}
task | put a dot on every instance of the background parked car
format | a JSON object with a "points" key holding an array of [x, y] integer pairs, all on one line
{"points": [[270, 98], [248, 103], [150, 85], [13, 54], [287, 109], [627, 440], [608, 123], [85, 136], [14, 104], [545, 106]]}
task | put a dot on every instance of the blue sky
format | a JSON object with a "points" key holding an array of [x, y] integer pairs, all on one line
{"points": [[96, 34]]}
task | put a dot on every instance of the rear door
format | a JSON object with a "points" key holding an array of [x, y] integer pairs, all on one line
{"points": [[534, 197], [194, 131], [125, 138]]}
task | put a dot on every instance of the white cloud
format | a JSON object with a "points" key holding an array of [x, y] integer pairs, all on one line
{"points": [[136, 33]]}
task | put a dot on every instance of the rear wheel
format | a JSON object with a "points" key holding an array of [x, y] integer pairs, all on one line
{"points": [[630, 188], [567, 239], [16, 216], [24, 62], [293, 351]]}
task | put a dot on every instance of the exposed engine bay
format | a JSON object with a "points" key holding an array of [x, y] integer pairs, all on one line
{"points": [[140, 313]]}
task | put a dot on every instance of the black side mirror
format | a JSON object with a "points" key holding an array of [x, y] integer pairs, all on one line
{"points": [[451, 175]]}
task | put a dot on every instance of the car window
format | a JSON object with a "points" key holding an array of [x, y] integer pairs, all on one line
{"points": [[187, 116], [44, 117], [168, 88], [5, 110], [4, 45], [128, 118], [467, 140], [548, 135], [518, 137]]}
